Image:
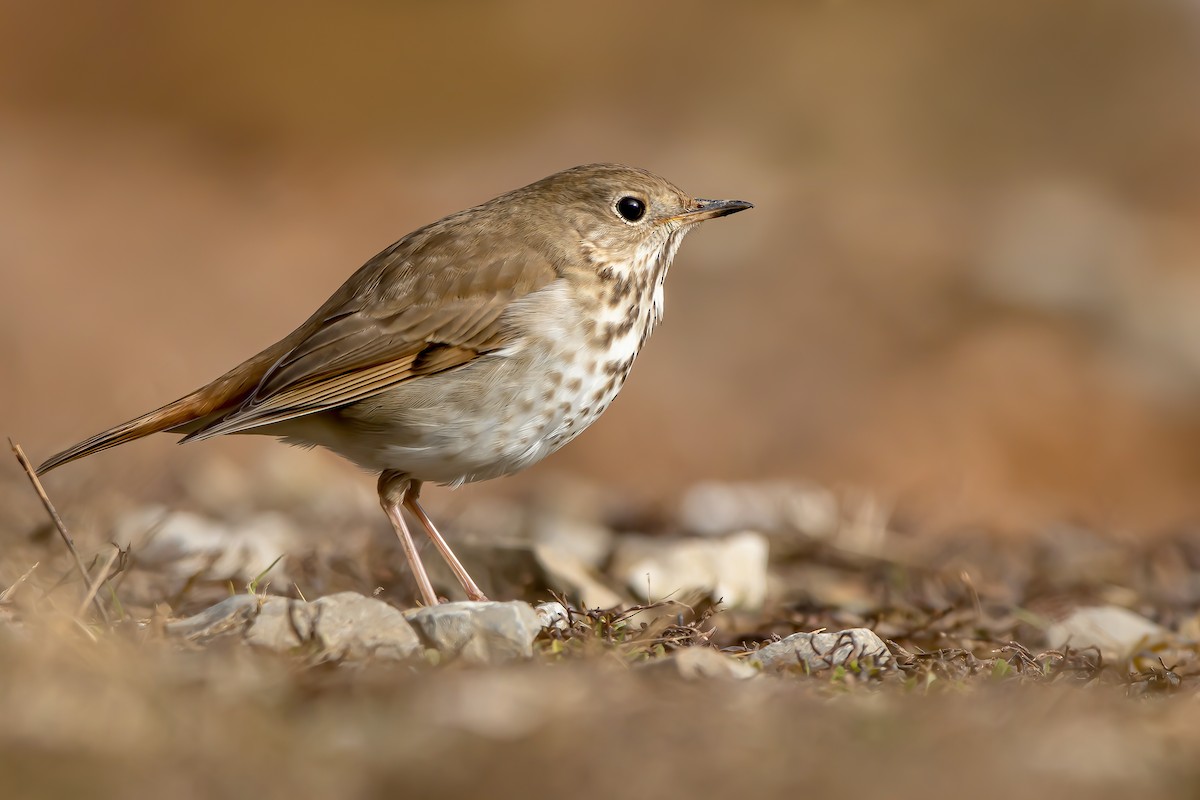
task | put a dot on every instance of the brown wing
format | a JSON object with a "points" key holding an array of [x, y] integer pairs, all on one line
{"points": [[432, 302]]}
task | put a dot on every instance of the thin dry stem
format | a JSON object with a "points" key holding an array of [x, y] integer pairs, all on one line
{"points": [[23, 460]]}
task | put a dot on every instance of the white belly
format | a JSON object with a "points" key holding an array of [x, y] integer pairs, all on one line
{"points": [[495, 416]]}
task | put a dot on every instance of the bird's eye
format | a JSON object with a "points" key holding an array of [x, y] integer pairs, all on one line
{"points": [[631, 209]]}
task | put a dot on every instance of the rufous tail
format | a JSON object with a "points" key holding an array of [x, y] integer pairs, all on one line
{"points": [[173, 415], [185, 415]]}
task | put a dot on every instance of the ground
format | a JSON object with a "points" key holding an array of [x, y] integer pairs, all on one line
{"points": [[975, 691]]}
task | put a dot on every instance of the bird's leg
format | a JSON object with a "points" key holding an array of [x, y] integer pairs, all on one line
{"points": [[393, 493], [412, 504]]}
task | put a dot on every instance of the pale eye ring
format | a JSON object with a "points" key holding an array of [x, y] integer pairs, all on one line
{"points": [[630, 208]]}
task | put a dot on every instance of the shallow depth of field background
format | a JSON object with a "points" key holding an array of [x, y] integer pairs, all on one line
{"points": [[967, 301], [970, 284]]}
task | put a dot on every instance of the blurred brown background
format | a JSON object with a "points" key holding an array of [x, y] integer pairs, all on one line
{"points": [[970, 285]]}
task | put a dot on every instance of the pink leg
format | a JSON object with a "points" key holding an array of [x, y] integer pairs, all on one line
{"points": [[393, 492], [460, 572]]}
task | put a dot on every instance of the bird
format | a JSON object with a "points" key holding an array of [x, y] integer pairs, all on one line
{"points": [[470, 349]]}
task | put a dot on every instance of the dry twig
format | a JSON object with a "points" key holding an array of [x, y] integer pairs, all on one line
{"points": [[23, 460]]}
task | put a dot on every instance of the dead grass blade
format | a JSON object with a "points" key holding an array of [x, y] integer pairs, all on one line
{"points": [[95, 587], [7, 595]]}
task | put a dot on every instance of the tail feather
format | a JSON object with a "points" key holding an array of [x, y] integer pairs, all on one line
{"points": [[185, 415], [173, 415]]}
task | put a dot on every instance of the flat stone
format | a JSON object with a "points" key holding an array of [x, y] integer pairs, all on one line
{"points": [[813, 652], [478, 633], [731, 568], [1117, 632], [231, 615], [346, 625], [353, 627]]}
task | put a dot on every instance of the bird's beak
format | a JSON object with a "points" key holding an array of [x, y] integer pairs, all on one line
{"points": [[711, 209]]}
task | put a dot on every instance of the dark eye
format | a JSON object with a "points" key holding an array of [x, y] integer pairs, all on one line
{"points": [[631, 209]]}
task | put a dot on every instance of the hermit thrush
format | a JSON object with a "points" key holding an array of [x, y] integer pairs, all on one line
{"points": [[469, 349]]}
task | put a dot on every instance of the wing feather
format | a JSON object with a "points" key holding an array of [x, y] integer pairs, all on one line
{"points": [[413, 310]]}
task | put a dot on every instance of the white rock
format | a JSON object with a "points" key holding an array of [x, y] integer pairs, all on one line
{"points": [[732, 568], [186, 544], [344, 626], [814, 652], [1117, 632], [553, 616], [351, 626], [478, 633]]}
